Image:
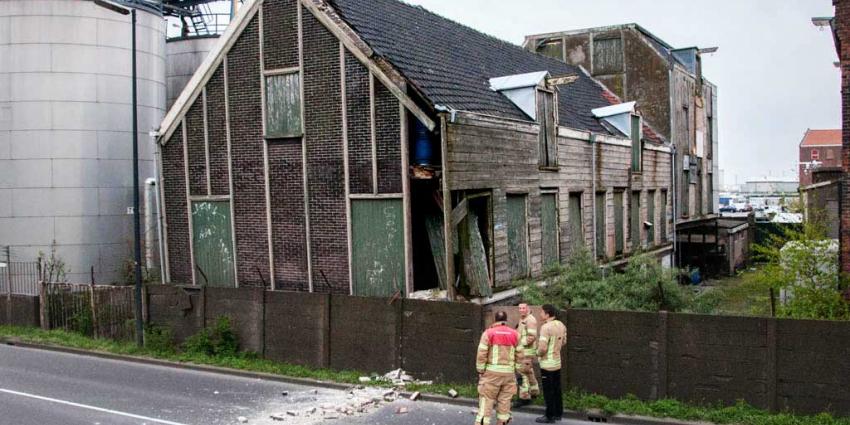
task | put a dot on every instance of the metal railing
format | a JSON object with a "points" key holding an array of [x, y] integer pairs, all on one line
{"points": [[100, 311], [19, 278], [201, 25]]}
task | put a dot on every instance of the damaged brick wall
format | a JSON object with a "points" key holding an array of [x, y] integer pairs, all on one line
{"points": [[176, 212], [842, 35]]}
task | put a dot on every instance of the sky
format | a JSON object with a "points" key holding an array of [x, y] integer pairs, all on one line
{"points": [[774, 69]]}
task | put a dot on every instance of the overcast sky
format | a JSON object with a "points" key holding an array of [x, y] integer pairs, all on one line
{"points": [[774, 69]]}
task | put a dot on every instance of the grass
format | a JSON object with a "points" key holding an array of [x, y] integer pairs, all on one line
{"points": [[740, 413], [740, 295]]}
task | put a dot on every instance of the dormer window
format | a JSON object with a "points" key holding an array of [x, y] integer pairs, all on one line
{"points": [[637, 143], [548, 137]]}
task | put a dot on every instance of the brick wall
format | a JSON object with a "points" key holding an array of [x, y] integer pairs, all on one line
{"points": [[249, 197], [388, 140], [286, 186], [280, 34], [196, 149], [842, 32], [325, 173], [176, 213], [217, 132], [359, 129]]}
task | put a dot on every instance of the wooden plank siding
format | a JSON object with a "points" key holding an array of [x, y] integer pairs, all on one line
{"points": [[484, 153]]}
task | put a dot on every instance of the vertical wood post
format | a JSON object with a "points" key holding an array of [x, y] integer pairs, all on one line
{"points": [[42, 306], [93, 306], [8, 285]]}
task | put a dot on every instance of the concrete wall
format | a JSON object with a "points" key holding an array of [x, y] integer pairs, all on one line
{"points": [[66, 130], [19, 310], [772, 364]]}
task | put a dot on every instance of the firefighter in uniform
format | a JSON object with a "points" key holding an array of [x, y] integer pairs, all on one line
{"points": [[553, 336], [527, 329], [497, 359]]}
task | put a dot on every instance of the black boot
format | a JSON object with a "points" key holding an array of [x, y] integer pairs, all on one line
{"points": [[544, 420], [520, 402]]}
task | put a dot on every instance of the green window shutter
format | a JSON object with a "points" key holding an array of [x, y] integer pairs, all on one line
{"points": [[212, 243], [576, 227], [283, 106], [549, 225], [517, 236], [636, 144], [663, 222], [634, 222], [600, 225], [650, 217], [377, 234], [618, 222], [607, 55]]}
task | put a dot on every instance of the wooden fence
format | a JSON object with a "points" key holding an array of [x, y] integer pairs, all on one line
{"points": [[100, 311]]}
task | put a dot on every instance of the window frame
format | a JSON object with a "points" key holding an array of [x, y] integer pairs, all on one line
{"points": [[547, 137], [636, 137], [278, 73], [815, 155], [608, 70]]}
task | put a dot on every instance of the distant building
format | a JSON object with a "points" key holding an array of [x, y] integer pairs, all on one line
{"points": [[818, 149]]}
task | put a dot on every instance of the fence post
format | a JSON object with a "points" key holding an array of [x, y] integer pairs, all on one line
{"points": [[9, 285], [661, 355], [93, 311], [42, 306]]}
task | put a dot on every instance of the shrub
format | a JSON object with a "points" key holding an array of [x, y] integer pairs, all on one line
{"points": [[159, 340], [220, 340]]}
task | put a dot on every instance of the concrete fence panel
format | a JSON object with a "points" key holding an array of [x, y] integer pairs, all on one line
{"points": [[364, 333], [439, 340], [244, 307], [175, 308], [297, 328]]}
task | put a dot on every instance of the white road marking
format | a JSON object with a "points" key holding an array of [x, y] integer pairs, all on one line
{"points": [[83, 406]]}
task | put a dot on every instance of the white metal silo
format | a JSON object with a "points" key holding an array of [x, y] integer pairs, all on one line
{"points": [[66, 131]]}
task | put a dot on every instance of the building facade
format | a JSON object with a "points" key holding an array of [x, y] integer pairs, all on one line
{"points": [[326, 147], [818, 149], [672, 94]]}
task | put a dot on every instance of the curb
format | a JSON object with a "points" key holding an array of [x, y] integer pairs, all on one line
{"points": [[593, 416]]}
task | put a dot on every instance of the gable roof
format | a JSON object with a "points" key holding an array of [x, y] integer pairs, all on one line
{"points": [[451, 64], [821, 138]]}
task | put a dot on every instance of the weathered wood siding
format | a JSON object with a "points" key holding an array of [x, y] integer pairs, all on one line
{"points": [[487, 154]]}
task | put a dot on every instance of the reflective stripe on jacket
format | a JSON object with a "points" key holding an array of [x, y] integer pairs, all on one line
{"points": [[527, 328], [553, 336], [497, 350]]}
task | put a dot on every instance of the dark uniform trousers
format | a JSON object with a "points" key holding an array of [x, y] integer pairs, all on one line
{"points": [[551, 383]]}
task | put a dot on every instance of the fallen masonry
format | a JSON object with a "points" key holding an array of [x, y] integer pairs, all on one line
{"points": [[312, 406]]}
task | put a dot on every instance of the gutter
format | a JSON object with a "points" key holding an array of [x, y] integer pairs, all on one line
{"points": [[452, 112]]}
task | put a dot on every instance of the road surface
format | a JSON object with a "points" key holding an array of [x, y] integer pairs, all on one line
{"points": [[41, 387]]}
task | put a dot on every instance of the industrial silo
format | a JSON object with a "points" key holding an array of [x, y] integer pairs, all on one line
{"points": [[66, 130]]}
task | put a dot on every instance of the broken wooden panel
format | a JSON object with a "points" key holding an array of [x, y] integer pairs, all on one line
{"points": [[637, 146], [634, 220], [618, 223], [283, 106], [607, 55], [549, 225], [517, 236], [600, 225], [475, 263], [212, 243], [377, 236], [576, 227], [552, 49], [436, 239], [547, 138]]}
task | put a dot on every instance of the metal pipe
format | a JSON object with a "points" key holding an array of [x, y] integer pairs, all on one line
{"points": [[150, 186], [593, 142], [673, 172]]}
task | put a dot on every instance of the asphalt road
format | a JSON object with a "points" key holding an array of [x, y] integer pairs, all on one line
{"points": [[44, 388]]}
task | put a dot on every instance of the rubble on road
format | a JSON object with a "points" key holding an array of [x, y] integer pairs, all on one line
{"points": [[399, 378], [314, 407]]}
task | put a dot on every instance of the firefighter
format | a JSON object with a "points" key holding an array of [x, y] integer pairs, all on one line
{"points": [[497, 359], [553, 336], [527, 328]]}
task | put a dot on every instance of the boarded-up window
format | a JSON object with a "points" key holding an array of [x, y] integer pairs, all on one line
{"points": [[607, 55], [650, 217], [212, 244], [548, 137], [634, 221], [549, 225], [600, 225], [552, 49], [662, 225], [637, 145], [576, 227], [377, 234], [283, 106], [686, 195], [517, 236], [830, 154], [618, 222]]}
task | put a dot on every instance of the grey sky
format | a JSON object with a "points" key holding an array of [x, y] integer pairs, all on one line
{"points": [[774, 69]]}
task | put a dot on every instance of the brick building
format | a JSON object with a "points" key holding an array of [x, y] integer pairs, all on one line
{"points": [[375, 148], [818, 149], [673, 95], [841, 30]]}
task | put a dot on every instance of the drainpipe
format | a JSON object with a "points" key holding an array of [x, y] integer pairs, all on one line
{"points": [[673, 171], [593, 143], [150, 187], [157, 158]]}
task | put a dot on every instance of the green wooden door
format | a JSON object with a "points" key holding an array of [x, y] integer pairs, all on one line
{"points": [[517, 236], [634, 221], [650, 217], [377, 235], [576, 226], [601, 233], [618, 222], [212, 244], [549, 224]]}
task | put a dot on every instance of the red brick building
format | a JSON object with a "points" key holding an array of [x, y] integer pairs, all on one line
{"points": [[818, 149]]}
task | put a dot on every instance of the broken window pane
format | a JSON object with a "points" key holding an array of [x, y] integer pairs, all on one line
{"points": [[548, 137], [283, 105], [552, 49]]}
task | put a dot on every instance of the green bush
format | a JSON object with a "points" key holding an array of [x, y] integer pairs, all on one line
{"points": [[160, 340], [643, 285], [220, 340]]}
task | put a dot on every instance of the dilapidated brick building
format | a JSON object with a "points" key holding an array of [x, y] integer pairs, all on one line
{"points": [[375, 148], [673, 95], [841, 30]]}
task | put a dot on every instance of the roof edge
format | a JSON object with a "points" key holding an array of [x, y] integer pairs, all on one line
{"points": [[631, 25]]}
